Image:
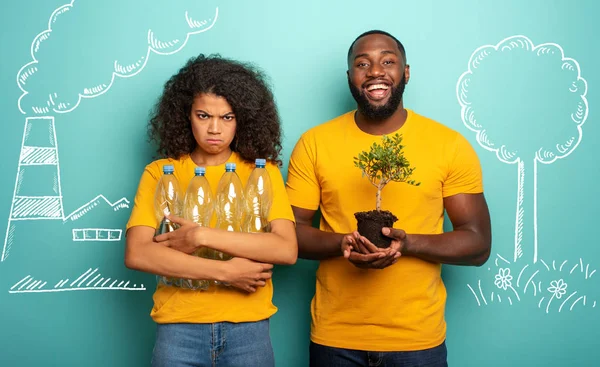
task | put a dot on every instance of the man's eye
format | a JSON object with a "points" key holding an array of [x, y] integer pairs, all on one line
{"points": [[202, 116], [228, 117]]}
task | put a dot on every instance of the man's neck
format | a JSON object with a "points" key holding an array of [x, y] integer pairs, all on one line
{"points": [[381, 127]]}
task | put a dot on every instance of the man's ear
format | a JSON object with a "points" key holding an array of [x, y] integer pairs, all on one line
{"points": [[407, 73]]}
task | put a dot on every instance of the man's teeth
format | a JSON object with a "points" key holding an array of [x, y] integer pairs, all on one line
{"points": [[377, 86]]}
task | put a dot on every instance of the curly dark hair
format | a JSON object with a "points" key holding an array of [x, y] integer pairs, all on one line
{"points": [[243, 85]]}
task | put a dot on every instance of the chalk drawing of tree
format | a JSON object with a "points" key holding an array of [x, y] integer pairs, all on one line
{"points": [[527, 104]]}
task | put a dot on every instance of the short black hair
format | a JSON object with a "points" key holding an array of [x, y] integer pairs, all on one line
{"points": [[377, 31]]}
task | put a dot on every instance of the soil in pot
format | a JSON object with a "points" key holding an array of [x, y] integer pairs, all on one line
{"points": [[369, 224]]}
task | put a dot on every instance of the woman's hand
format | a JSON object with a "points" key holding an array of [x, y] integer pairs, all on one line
{"points": [[245, 274], [187, 238]]}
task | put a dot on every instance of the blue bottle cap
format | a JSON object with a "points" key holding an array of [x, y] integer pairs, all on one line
{"points": [[260, 162], [199, 171], [168, 168], [229, 167]]}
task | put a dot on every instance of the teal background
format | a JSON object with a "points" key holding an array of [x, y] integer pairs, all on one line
{"points": [[509, 312]]}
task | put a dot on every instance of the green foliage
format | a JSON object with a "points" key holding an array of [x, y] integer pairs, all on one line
{"points": [[385, 162]]}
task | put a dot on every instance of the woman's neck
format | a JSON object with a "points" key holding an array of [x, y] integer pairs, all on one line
{"points": [[201, 158]]}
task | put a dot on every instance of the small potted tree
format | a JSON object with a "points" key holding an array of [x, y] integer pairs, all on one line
{"points": [[381, 165]]}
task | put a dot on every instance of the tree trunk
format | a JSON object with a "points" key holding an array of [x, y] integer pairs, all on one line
{"points": [[526, 211]]}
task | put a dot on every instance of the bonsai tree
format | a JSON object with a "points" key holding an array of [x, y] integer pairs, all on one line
{"points": [[381, 165]]}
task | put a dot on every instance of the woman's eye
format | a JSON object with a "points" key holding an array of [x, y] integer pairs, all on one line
{"points": [[228, 117], [202, 116]]}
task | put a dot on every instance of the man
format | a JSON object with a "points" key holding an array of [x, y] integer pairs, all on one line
{"points": [[377, 306]]}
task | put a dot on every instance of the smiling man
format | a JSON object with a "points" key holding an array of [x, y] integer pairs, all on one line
{"points": [[384, 306]]}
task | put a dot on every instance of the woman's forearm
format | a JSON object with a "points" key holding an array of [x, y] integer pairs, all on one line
{"points": [[276, 247], [145, 255]]}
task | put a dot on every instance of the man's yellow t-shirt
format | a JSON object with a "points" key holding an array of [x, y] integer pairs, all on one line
{"points": [[399, 308], [177, 305]]}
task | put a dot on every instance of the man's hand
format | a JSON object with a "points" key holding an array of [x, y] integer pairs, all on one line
{"points": [[352, 251], [363, 254], [398, 236], [185, 238], [246, 275]]}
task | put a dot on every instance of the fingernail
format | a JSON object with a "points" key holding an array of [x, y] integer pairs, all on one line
{"points": [[385, 231]]}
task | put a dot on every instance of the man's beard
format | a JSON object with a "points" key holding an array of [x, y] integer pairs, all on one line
{"points": [[378, 113]]}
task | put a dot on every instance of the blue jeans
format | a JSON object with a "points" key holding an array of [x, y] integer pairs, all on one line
{"points": [[322, 356], [212, 345]]}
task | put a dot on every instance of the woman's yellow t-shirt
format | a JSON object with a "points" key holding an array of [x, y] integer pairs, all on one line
{"points": [[177, 305]]}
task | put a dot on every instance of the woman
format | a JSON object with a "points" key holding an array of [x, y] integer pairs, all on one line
{"points": [[211, 112]]}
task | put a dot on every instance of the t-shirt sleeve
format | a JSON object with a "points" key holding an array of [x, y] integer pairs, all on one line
{"points": [[303, 188], [280, 206], [142, 213], [464, 169]]}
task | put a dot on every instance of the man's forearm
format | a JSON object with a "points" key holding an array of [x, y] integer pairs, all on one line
{"points": [[459, 247], [314, 244]]}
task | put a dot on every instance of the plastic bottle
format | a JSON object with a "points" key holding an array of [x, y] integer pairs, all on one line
{"points": [[228, 204], [198, 207], [167, 200], [258, 196]]}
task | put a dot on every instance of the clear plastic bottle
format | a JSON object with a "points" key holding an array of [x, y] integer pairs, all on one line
{"points": [[167, 200], [258, 197], [228, 204], [198, 208]]}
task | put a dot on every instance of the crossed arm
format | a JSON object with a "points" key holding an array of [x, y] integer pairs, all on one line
{"points": [[469, 243], [254, 253]]}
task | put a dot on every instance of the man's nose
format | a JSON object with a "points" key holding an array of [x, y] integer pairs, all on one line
{"points": [[376, 70]]}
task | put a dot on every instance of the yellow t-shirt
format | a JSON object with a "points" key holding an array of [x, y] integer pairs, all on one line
{"points": [[399, 308], [177, 305]]}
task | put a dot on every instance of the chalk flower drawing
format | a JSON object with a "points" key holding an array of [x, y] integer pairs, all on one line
{"points": [[543, 281], [503, 278], [558, 288]]}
